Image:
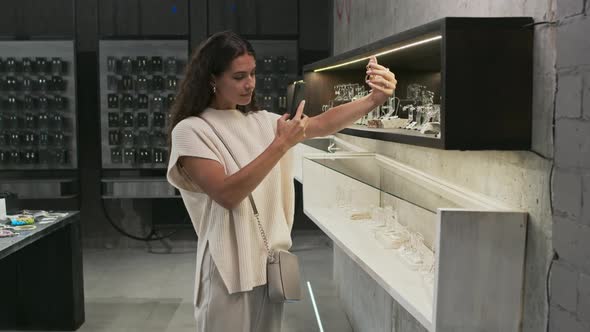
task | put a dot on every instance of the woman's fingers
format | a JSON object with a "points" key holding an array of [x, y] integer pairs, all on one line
{"points": [[382, 72], [372, 59], [380, 88], [389, 84], [299, 110], [375, 65]]}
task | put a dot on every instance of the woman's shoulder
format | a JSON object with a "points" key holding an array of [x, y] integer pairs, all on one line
{"points": [[192, 124]]}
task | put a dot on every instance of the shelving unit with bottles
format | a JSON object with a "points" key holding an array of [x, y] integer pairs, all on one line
{"points": [[463, 83], [453, 259]]}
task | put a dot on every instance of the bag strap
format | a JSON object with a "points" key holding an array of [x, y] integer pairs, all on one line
{"points": [[250, 197]]}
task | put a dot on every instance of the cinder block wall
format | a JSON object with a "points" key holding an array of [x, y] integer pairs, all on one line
{"points": [[519, 178], [570, 277]]}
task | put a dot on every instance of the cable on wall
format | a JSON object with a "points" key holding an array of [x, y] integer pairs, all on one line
{"points": [[152, 234]]}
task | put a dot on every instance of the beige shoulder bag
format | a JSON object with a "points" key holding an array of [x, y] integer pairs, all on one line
{"points": [[282, 267]]}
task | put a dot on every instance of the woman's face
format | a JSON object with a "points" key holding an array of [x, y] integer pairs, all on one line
{"points": [[235, 85]]}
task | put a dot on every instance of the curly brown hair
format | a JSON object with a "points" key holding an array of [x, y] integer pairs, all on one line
{"points": [[212, 57]]}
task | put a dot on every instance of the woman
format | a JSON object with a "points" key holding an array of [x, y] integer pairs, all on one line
{"points": [[218, 91]]}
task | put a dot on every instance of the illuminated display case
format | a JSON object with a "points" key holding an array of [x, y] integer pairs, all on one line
{"points": [[454, 259], [463, 83]]}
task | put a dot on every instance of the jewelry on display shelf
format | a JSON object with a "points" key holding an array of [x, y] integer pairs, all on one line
{"points": [[41, 64], [27, 64], [141, 83], [143, 138], [171, 65], [27, 84], [142, 101], [116, 156], [391, 234], [59, 102], [57, 66], [142, 64], [129, 156], [343, 198], [360, 215], [29, 102], [138, 89], [126, 66], [111, 64], [156, 64], [422, 114], [10, 66]]}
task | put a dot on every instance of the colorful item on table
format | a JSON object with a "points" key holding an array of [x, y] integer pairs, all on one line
{"points": [[22, 220], [7, 233]]}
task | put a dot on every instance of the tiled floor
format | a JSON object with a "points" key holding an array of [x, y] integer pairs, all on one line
{"points": [[133, 290]]}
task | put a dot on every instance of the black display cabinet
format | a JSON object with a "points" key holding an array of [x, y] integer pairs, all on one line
{"points": [[276, 67], [38, 123], [138, 84], [463, 83], [38, 105]]}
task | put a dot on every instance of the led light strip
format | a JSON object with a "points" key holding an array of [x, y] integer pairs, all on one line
{"points": [[315, 308], [381, 53]]}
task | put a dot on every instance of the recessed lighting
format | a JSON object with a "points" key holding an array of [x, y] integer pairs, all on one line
{"points": [[381, 53]]}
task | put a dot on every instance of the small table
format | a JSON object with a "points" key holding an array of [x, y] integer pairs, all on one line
{"points": [[41, 280]]}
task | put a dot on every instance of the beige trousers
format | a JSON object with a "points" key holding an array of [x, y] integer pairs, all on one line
{"points": [[218, 311]]}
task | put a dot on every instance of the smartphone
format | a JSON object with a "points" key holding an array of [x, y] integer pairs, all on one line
{"points": [[294, 97]]}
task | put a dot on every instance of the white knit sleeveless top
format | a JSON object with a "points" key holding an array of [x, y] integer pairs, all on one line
{"points": [[234, 240]]}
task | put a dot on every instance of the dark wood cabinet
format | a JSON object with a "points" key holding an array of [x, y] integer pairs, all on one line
{"points": [[479, 71], [254, 17], [31, 19], [118, 17], [276, 17], [238, 16], [168, 17], [48, 18], [143, 18]]}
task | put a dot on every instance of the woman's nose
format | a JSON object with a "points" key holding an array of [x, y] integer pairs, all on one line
{"points": [[251, 83]]}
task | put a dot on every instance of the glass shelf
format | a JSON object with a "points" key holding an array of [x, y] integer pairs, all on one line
{"points": [[392, 178], [429, 244]]}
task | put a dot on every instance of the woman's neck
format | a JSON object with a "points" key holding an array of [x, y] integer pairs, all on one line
{"points": [[222, 105]]}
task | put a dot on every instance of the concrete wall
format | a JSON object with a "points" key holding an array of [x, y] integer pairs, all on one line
{"points": [[570, 277], [519, 178]]}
